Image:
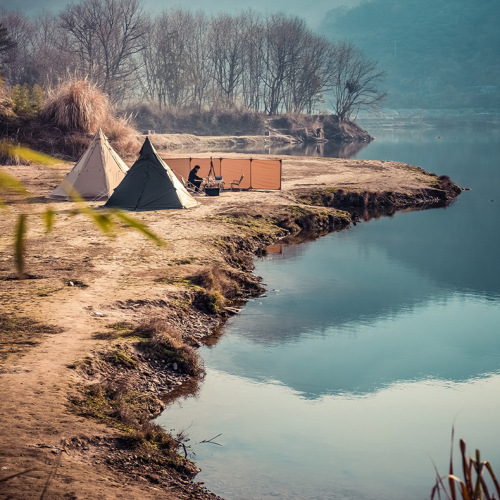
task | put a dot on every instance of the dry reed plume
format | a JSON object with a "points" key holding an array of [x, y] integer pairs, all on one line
{"points": [[77, 105]]}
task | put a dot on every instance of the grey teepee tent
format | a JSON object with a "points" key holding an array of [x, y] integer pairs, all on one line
{"points": [[150, 184], [96, 174]]}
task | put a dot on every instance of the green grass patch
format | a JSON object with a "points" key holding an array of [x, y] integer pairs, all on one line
{"points": [[115, 330], [120, 357]]}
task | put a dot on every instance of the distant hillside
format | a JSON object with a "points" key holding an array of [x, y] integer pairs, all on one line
{"points": [[437, 53]]}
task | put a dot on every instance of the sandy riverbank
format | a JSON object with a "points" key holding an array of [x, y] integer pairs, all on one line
{"points": [[80, 281]]}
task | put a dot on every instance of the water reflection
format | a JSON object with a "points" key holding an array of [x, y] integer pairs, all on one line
{"points": [[328, 149], [341, 317], [275, 445], [457, 245], [370, 343]]}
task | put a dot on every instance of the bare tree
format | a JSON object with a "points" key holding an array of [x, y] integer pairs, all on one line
{"points": [[20, 36], [354, 82], [6, 43], [309, 74], [175, 59], [253, 50], [164, 55], [226, 42], [198, 61], [105, 36], [283, 47]]}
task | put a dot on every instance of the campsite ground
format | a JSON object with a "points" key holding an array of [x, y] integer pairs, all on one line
{"points": [[79, 281]]}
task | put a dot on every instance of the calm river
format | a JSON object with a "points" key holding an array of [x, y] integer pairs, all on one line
{"points": [[345, 379]]}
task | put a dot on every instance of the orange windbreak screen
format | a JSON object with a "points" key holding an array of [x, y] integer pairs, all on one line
{"points": [[182, 166], [266, 174], [257, 174], [233, 169]]}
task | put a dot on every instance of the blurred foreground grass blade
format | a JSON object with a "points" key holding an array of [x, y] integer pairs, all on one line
{"points": [[20, 239], [24, 153], [139, 226], [102, 221], [440, 486], [479, 472], [465, 493], [9, 183], [49, 218]]}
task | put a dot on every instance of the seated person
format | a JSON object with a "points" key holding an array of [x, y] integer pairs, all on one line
{"points": [[194, 179]]}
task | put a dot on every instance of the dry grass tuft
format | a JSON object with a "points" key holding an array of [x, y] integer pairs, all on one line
{"points": [[217, 288], [77, 105], [166, 343], [122, 135], [478, 483], [215, 279]]}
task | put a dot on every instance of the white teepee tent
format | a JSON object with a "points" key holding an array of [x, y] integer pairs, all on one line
{"points": [[96, 174]]}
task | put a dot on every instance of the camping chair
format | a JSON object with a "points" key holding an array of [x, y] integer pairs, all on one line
{"points": [[191, 188], [235, 185]]}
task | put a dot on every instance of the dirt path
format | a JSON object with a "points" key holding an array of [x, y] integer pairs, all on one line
{"points": [[78, 276]]}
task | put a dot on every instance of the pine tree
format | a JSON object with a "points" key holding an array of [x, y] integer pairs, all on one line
{"points": [[20, 96], [37, 97]]}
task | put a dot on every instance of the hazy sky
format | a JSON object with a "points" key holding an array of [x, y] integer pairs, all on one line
{"points": [[311, 10]]}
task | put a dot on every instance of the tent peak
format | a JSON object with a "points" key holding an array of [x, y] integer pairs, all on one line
{"points": [[100, 134], [147, 148]]}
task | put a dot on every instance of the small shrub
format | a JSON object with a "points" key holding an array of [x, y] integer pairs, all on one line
{"points": [[211, 302], [147, 329], [26, 101], [114, 402], [37, 98], [152, 434]]}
